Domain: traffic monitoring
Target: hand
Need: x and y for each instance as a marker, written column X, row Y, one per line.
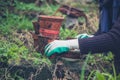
column 84, row 35
column 61, row 46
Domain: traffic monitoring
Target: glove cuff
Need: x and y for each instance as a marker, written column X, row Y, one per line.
column 73, row 44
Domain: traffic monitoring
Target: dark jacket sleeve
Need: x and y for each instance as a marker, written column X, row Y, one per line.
column 109, row 41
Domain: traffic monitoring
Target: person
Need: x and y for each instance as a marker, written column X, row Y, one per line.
column 106, row 39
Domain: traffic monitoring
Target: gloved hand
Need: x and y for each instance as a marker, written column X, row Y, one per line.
column 84, row 35
column 60, row 46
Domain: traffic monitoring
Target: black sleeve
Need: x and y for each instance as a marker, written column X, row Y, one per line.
column 109, row 41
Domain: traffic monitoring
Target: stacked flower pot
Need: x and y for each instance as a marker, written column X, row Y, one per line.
column 47, row 29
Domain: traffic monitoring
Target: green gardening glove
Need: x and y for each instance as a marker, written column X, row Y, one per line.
column 84, row 35
column 60, row 46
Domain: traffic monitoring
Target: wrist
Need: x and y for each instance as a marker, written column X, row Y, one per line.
column 73, row 44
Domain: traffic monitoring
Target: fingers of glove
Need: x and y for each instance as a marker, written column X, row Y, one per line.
column 48, row 47
column 57, row 50
column 51, row 52
column 84, row 36
column 51, row 46
column 81, row 35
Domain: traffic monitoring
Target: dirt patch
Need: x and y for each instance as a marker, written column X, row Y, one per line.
column 28, row 72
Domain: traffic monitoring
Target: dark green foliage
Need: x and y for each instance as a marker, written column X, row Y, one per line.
column 6, row 5
column 14, row 22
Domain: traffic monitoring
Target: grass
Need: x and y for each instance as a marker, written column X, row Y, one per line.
column 20, row 22
column 49, row 9
column 17, row 52
column 14, row 22
column 82, row 75
column 13, row 49
column 66, row 33
column 97, row 74
column 27, row 7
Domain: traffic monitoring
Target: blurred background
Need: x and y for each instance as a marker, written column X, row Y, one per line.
column 19, row 60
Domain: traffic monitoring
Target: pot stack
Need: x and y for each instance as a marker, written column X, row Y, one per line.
column 47, row 29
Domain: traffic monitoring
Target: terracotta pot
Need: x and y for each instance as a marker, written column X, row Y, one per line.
column 50, row 25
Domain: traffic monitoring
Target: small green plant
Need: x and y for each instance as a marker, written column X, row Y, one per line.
column 14, row 53
column 66, row 33
column 97, row 75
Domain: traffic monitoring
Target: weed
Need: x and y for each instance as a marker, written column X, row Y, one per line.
column 15, row 53
column 66, row 33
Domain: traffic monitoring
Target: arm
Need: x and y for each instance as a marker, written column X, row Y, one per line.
column 109, row 41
